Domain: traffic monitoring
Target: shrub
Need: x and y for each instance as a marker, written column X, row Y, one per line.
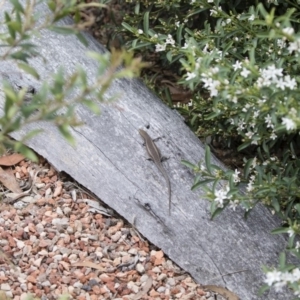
column 242, row 67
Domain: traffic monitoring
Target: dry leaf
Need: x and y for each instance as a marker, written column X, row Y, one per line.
column 222, row 291
column 11, row 160
column 144, row 290
column 9, row 181
column 89, row 264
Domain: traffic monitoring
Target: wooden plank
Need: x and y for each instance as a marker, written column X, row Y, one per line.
column 110, row 160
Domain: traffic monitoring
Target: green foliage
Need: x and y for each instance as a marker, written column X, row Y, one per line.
column 241, row 61
column 55, row 96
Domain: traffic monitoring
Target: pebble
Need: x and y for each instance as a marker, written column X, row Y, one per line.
column 140, row 268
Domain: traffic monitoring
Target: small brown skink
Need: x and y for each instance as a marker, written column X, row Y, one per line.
column 155, row 155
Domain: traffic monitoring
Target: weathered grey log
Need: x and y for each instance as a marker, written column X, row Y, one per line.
column 109, row 159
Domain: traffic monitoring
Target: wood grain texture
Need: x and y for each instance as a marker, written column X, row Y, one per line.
column 109, row 160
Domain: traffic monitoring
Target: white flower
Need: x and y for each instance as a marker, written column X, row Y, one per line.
column 211, row 85
column 288, row 30
column 251, row 18
column 236, row 177
column 185, row 45
column 237, row 65
column 177, row 23
column 249, row 134
column 268, row 120
column 210, row 1
column 159, row 47
column 140, row 31
column 245, row 72
column 272, row 277
column 294, row 46
column 273, row 136
column 290, row 82
column 170, row 40
column 289, row 124
column 291, row 232
column 296, row 274
column 190, row 75
column 233, row 204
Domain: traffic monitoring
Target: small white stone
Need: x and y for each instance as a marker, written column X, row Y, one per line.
column 132, row 286
column 39, row 227
column 64, row 222
column 140, row 268
column 171, row 281
column 5, row 287
column 116, row 236
column 156, row 270
column 23, row 286
column 20, row 244
column 46, row 283
column 77, row 284
column 133, row 251
column 38, row 262
column 162, row 277
column 59, row 211
column 57, row 257
column 144, row 278
column 67, row 211
column 40, row 185
column 161, row 289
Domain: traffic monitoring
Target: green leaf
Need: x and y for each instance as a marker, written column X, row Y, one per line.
column 137, row 8
column 243, row 146
column 280, row 230
column 179, row 34
column 146, row 23
column 189, row 165
column 63, row 30
column 200, row 183
column 128, row 27
column 247, row 167
column 275, row 204
column 19, row 147
column 282, row 260
column 17, row 6
column 208, row 159
column 28, row 69
column 169, row 56
column 212, row 115
column 82, row 39
column 64, row 130
column 92, row 106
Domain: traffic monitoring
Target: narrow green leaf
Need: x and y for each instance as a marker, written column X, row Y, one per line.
column 243, row 146
column 64, row 130
column 208, row 159
column 62, row 30
column 17, row 6
column 212, row 115
column 282, row 260
column 146, row 23
column 128, row 27
column 28, row 69
column 169, row 56
column 92, row 106
column 280, row 230
column 19, row 147
column 82, row 39
column 189, row 165
column 200, row 183
column 137, row 8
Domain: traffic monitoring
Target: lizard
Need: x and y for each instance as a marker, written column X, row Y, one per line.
column 156, row 157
